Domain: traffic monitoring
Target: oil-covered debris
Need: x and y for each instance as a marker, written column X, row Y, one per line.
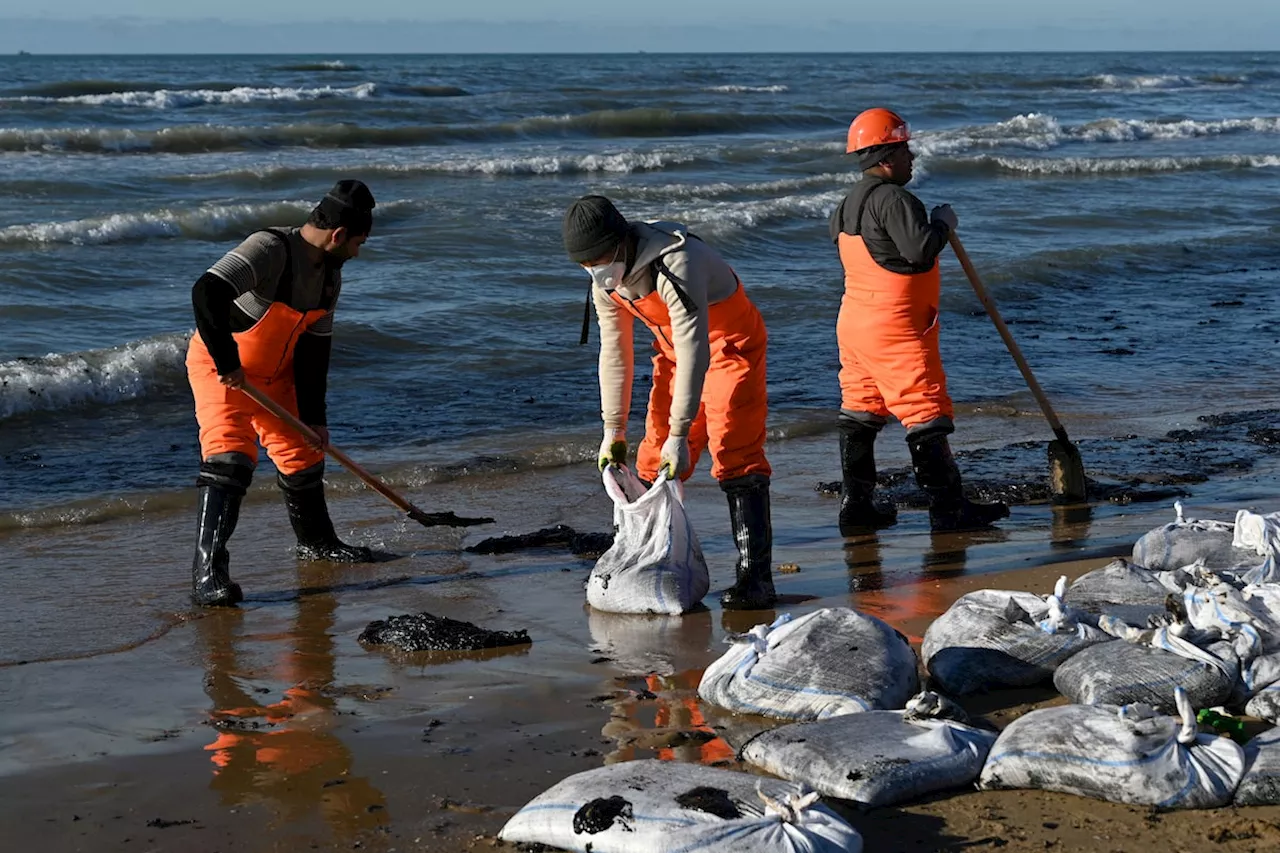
column 601, row 814
column 713, row 801
column 1123, row 470
column 586, row 545
column 422, row 632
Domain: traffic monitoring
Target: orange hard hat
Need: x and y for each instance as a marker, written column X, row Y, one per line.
column 876, row 126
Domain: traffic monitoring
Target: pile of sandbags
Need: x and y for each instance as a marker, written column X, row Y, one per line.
column 1193, row 621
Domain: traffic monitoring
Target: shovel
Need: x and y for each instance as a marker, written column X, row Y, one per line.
column 1066, row 469
column 426, row 519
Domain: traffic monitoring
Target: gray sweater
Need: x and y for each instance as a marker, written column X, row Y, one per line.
column 704, row 277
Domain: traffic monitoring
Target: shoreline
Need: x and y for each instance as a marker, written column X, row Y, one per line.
column 271, row 728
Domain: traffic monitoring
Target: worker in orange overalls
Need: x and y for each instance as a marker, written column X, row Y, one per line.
column 890, row 363
column 708, row 369
column 264, row 314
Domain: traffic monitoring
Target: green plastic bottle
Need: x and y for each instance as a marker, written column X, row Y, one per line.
column 1223, row 724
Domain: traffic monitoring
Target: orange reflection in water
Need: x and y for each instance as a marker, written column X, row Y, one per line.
column 284, row 753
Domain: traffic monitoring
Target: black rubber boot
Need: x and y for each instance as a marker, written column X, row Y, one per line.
column 309, row 515
column 936, row 472
column 859, row 511
column 753, row 532
column 211, row 584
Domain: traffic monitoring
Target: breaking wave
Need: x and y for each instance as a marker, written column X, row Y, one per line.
column 167, row 99
column 330, row 65
column 729, row 217
column 80, row 88
column 623, row 162
column 991, row 164
column 207, row 222
column 776, row 89
column 604, row 124
column 1040, row 132
column 93, row 377
column 212, row 222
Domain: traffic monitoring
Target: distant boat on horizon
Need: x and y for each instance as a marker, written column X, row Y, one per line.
column 23, row 53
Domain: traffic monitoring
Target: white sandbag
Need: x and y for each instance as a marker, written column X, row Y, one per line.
column 1145, row 666
column 1261, row 783
column 1248, row 618
column 1133, row 755
column 830, row 662
column 1265, row 703
column 877, row 758
column 1123, row 590
column 1004, row 638
column 655, row 564
column 1184, row 541
column 665, row 807
column 1257, row 533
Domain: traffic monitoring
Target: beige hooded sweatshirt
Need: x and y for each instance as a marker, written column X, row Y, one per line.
column 704, row 277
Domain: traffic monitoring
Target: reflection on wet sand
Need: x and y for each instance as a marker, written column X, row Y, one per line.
column 284, row 753
column 656, row 712
column 1071, row 525
column 911, row 600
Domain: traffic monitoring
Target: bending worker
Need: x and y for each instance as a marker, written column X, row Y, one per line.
column 708, row 369
column 887, row 330
column 264, row 314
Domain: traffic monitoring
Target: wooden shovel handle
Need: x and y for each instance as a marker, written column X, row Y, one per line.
column 994, row 313
column 346, row 461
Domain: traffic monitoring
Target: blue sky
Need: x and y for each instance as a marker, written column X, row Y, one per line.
column 424, row 26
column 1229, row 13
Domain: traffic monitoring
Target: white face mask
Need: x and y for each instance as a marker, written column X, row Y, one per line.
column 609, row 276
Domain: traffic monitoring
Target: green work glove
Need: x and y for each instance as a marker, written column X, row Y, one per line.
column 675, row 456
column 613, row 449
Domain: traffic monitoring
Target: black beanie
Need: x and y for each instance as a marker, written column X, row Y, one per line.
column 348, row 205
column 592, row 226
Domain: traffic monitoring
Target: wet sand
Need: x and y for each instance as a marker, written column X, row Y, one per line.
column 137, row 724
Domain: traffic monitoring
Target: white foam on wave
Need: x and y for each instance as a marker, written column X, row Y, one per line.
column 56, row 382
column 1144, row 81
column 733, row 90
column 165, row 99
column 624, row 162
column 211, row 221
column 729, row 217
column 621, row 162
column 1122, row 165
column 1040, row 132
column 1130, row 130
column 723, row 188
column 1034, row 131
column 205, row 222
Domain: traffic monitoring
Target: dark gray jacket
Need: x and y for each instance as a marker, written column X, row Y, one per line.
column 893, row 225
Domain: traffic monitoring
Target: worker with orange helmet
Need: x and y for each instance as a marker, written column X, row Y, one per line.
column 887, row 330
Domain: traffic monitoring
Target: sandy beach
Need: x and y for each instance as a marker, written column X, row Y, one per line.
column 271, row 728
